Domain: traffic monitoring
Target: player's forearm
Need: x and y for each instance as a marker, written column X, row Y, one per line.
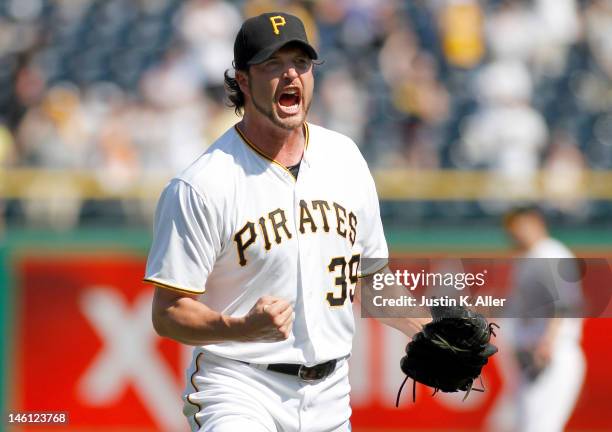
column 408, row 326
column 552, row 330
column 193, row 323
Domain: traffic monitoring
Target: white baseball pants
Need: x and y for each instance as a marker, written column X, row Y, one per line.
column 224, row 395
column 546, row 404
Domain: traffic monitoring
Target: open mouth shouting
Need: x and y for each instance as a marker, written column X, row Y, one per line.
column 289, row 101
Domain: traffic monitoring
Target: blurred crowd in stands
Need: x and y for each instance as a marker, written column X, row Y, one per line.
column 134, row 88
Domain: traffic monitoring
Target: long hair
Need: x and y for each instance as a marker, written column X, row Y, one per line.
column 234, row 94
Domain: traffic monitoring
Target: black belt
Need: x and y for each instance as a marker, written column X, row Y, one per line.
column 306, row 373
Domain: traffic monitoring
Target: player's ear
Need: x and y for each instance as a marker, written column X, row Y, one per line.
column 242, row 78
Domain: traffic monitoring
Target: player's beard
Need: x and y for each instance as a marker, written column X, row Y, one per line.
column 288, row 123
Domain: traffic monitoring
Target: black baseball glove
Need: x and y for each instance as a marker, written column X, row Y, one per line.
column 450, row 352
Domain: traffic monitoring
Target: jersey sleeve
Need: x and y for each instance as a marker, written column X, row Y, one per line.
column 186, row 240
column 375, row 254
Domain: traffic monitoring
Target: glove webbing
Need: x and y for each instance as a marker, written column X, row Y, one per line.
column 470, row 388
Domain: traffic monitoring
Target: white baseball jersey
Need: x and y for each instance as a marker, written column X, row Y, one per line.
column 236, row 226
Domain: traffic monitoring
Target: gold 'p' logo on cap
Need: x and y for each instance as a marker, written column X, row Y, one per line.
column 277, row 21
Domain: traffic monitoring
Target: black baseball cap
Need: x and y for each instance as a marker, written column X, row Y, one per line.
column 263, row 35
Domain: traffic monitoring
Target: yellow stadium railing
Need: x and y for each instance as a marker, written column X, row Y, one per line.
column 393, row 184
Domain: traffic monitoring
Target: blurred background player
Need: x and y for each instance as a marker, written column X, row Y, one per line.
column 547, row 343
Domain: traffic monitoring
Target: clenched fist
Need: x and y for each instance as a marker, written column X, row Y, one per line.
column 269, row 320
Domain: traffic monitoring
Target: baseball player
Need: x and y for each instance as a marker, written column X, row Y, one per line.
column 550, row 358
column 257, row 248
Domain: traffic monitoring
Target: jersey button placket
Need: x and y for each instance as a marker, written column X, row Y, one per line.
column 302, row 246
